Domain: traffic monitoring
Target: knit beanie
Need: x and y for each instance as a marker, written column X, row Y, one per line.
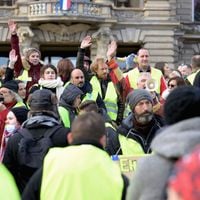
column 20, row 113
column 182, row 103
column 137, row 95
column 185, row 178
column 11, row 85
column 70, row 93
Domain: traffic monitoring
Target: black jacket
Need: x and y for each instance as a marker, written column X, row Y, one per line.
column 131, row 130
column 37, row 126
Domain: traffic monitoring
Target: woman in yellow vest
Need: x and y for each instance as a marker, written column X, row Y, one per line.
column 27, row 68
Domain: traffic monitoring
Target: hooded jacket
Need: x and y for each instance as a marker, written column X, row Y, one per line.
column 150, row 179
column 37, row 126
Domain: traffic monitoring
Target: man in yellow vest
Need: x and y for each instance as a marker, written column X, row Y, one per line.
column 137, row 131
column 129, row 81
column 82, row 171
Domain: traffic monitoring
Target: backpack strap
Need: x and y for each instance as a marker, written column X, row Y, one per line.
column 48, row 133
column 52, row 130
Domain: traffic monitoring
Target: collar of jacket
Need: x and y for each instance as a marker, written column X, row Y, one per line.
column 91, row 142
column 40, row 120
column 148, row 69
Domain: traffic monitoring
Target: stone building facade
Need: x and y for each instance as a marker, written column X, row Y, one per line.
column 165, row 27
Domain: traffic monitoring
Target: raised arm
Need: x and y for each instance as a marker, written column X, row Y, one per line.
column 86, row 42
column 10, row 69
column 15, row 45
column 116, row 75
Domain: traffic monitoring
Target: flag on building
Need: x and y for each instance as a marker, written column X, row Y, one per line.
column 65, row 4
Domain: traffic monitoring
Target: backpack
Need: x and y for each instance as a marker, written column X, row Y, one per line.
column 31, row 151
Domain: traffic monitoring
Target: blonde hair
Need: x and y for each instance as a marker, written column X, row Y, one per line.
column 95, row 64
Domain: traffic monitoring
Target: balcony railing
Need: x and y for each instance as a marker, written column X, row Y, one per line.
column 83, row 9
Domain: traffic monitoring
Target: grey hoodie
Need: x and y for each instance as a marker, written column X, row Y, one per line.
column 150, row 179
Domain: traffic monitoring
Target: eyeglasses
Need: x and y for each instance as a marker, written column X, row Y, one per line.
column 171, row 85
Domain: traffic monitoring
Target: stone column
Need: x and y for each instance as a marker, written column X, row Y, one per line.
column 26, row 37
column 102, row 38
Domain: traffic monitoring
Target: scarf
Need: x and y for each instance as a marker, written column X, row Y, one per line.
column 57, row 83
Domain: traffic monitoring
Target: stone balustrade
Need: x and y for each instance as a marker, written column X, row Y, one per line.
column 79, row 9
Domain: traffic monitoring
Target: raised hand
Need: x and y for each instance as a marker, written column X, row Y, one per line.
column 112, row 48
column 12, row 58
column 86, row 42
column 12, row 26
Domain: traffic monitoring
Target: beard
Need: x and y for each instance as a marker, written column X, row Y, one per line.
column 80, row 85
column 144, row 118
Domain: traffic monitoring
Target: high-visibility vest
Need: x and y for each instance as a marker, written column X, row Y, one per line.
column 192, row 76
column 24, row 76
column 134, row 74
column 64, row 115
column 110, row 98
column 9, row 190
column 19, row 104
column 80, row 172
column 130, row 146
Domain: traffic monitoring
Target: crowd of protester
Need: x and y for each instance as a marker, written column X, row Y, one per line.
column 61, row 125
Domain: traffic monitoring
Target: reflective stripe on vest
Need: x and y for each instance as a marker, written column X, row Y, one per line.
column 129, row 146
column 90, row 96
column 66, row 84
column 9, row 190
column 134, row 74
column 24, row 76
column 110, row 98
column 80, row 172
column 64, row 115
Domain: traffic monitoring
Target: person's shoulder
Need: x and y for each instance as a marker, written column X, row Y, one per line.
column 159, row 120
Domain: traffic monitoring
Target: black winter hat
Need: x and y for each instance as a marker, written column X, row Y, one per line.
column 11, row 85
column 182, row 103
column 137, row 95
column 42, row 100
column 70, row 93
column 20, row 113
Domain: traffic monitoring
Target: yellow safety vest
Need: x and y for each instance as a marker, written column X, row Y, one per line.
column 24, row 76
column 80, row 172
column 64, row 115
column 192, row 76
column 134, row 74
column 110, row 98
column 9, row 190
column 19, row 104
column 130, row 146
